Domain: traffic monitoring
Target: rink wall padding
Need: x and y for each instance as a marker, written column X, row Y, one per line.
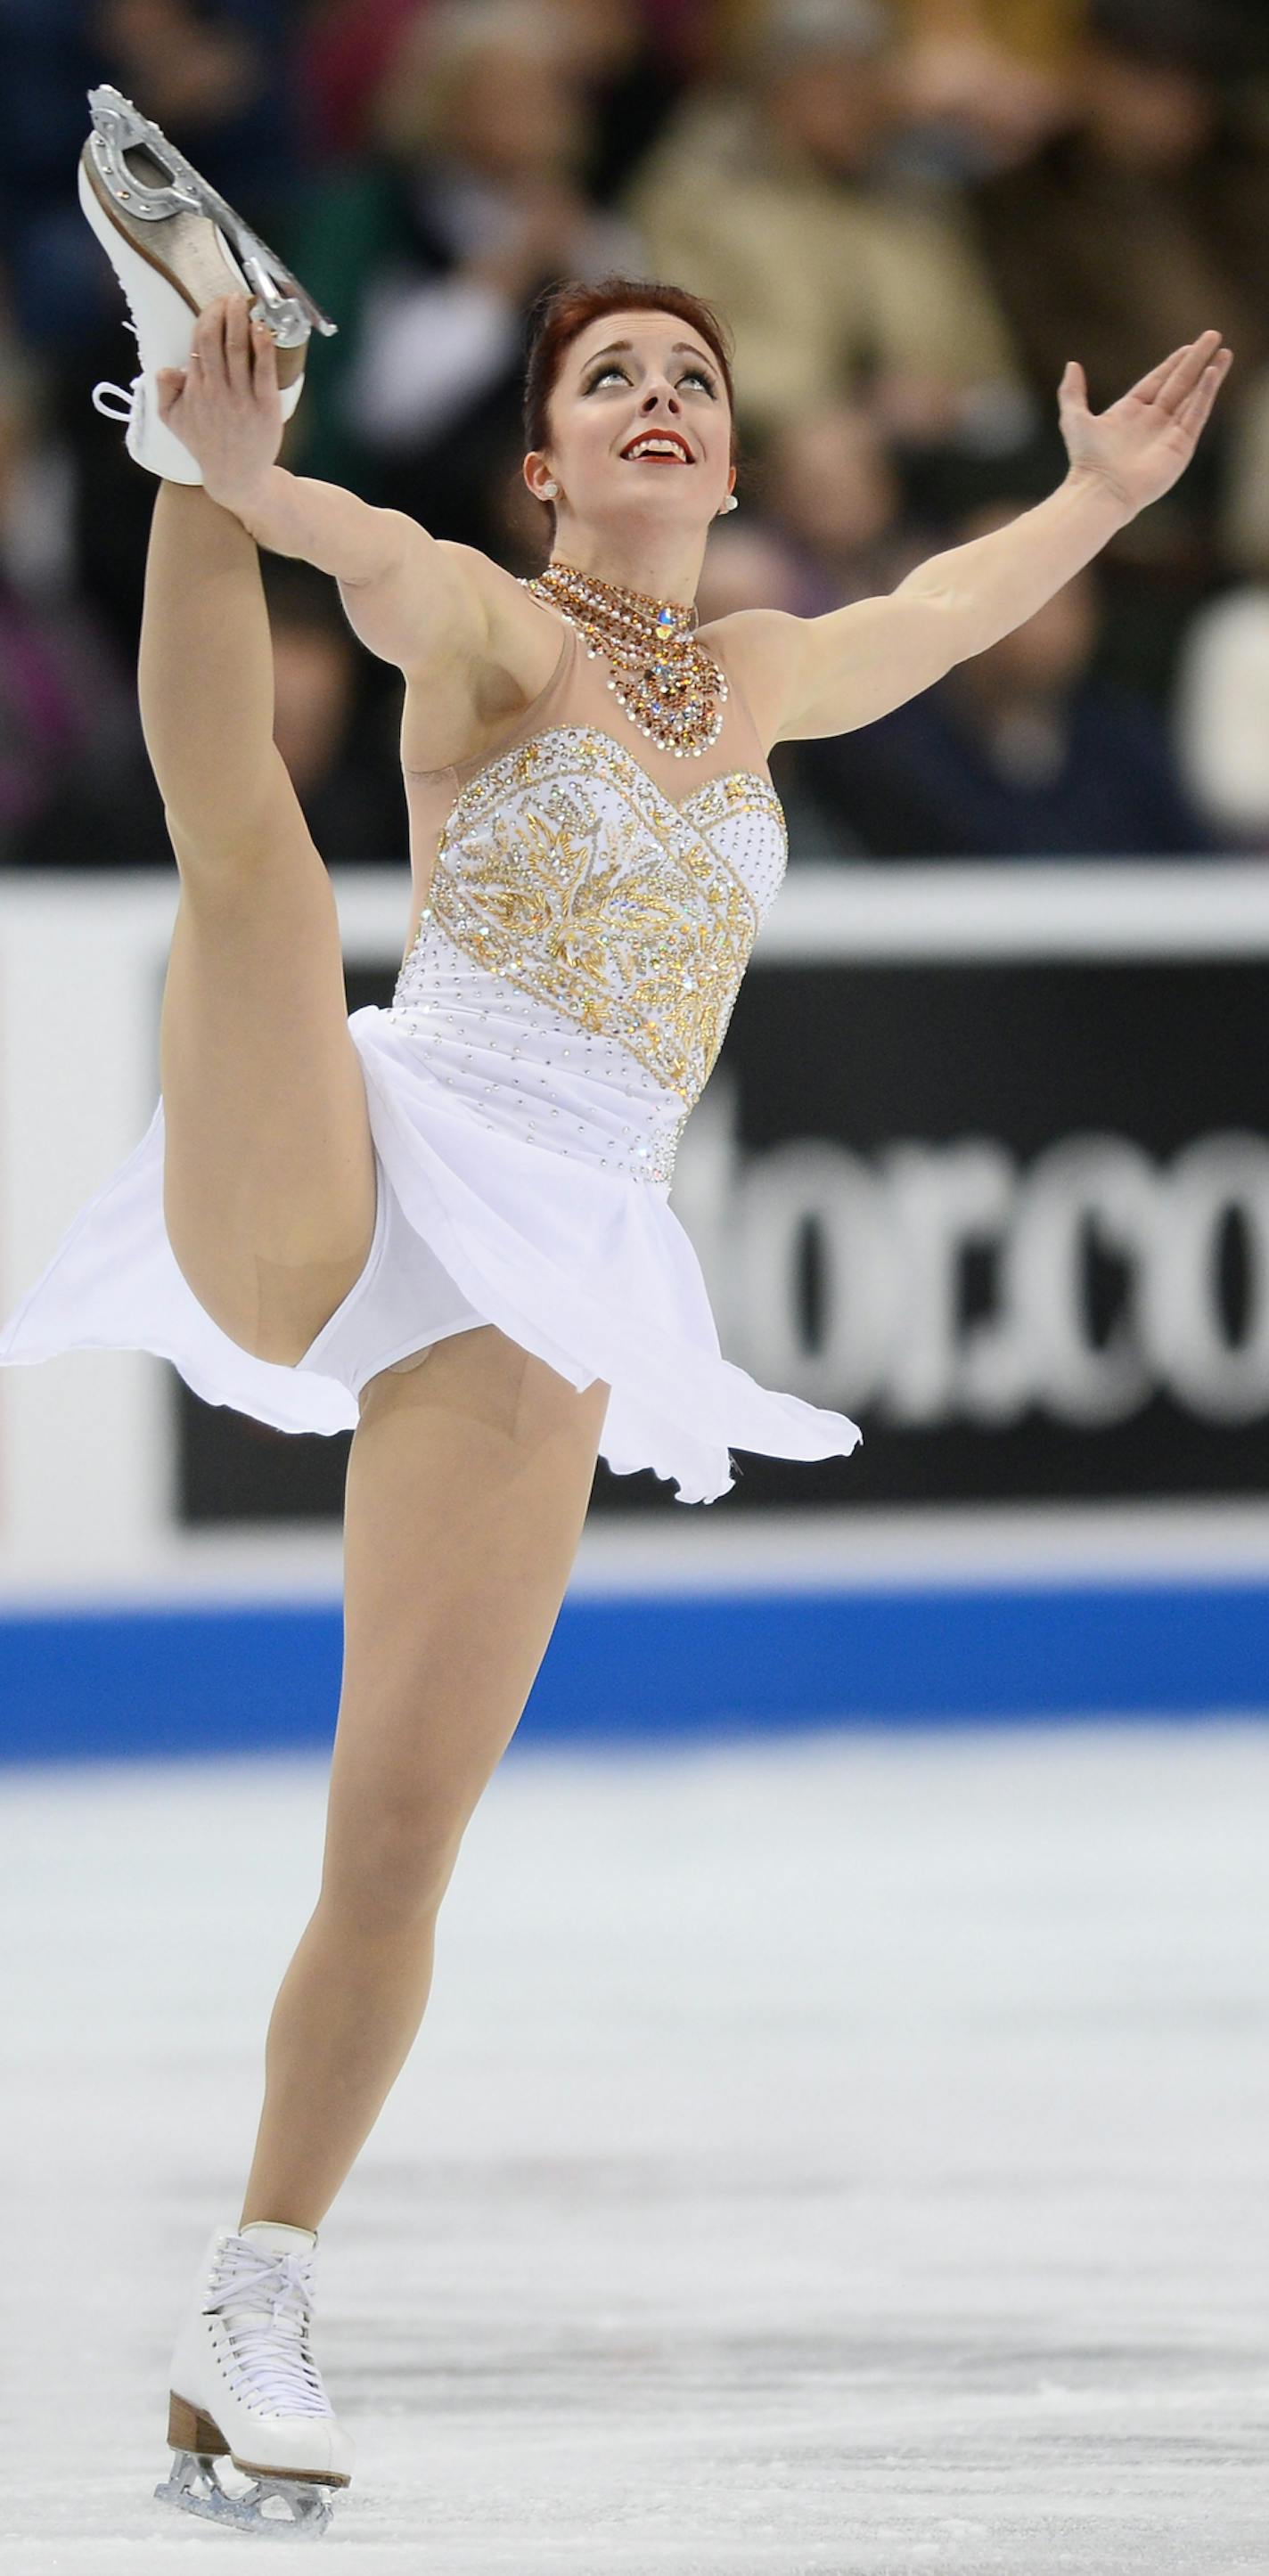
column 146, row 1683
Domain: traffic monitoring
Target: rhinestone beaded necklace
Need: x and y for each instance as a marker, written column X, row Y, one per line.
column 670, row 687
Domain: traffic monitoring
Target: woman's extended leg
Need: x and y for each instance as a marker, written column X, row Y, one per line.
column 269, row 1175
column 468, row 1483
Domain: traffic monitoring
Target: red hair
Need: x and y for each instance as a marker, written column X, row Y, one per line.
column 562, row 311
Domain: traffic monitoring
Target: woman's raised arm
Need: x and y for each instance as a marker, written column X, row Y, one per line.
column 409, row 596
column 836, row 672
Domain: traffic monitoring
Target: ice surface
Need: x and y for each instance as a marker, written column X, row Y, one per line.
column 845, row 2154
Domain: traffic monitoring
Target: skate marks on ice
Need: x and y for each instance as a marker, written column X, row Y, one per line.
column 844, row 2155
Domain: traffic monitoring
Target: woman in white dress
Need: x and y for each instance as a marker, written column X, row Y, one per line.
column 476, row 1178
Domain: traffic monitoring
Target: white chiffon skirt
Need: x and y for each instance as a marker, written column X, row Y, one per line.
column 588, row 1269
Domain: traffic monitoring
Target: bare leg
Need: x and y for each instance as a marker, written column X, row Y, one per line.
column 468, row 1485
column 269, row 1175
column 205, row 673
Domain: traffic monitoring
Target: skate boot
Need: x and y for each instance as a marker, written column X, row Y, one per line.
column 245, row 2388
column 175, row 245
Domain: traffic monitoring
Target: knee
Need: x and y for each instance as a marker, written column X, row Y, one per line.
column 394, row 1871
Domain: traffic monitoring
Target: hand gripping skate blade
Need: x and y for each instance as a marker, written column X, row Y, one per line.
column 166, row 184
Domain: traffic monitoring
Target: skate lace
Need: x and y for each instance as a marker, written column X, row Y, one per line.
column 270, row 2356
column 127, row 399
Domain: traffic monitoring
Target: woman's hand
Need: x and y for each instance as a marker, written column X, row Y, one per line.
column 1143, row 443
column 224, row 405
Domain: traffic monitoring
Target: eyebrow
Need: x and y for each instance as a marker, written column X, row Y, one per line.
column 685, row 346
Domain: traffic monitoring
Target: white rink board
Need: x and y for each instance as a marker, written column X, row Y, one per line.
column 841, row 2156
column 86, row 1457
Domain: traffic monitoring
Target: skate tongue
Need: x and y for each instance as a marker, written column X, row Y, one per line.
column 273, row 2237
column 265, row 2237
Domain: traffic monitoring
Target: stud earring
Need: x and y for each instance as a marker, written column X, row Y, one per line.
column 729, row 504
column 549, row 491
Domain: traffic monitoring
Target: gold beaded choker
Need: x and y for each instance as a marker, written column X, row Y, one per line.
column 670, row 687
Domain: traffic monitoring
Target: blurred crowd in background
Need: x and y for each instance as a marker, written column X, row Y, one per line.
column 909, row 213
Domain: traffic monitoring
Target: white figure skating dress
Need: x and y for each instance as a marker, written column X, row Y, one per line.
column 584, row 934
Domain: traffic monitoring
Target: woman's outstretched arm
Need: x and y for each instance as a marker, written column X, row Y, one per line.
column 830, row 674
column 408, row 596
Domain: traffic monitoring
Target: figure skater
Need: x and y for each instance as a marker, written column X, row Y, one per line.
column 477, row 1177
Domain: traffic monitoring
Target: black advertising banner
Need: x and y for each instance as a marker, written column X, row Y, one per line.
column 1013, row 1216
column 1011, row 1212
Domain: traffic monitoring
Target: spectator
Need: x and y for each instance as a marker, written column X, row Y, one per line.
column 349, row 49
column 1127, row 235
column 1021, row 752
column 984, row 81
column 1242, row 519
column 66, row 712
column 831, row 486
column 1222, row 708
column 749, row 567
column 1143, row 221
column 427, row 165
column 430, row 256
column 212, row 73
column 688, row 34
column 343, row 52
column 756, row 567
column 775, row 200
column 631, row 86
column 335, row 724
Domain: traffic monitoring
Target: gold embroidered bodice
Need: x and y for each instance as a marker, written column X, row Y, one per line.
column 587, row 929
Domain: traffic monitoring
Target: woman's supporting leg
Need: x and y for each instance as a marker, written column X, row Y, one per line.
column 468, row 1478
column 269, row 1175
column 468, row 1483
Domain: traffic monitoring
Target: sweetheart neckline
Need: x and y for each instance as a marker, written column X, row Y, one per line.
column 678, row 805
column 721, row 777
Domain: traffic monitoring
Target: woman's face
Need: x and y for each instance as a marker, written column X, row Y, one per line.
column 659, row 381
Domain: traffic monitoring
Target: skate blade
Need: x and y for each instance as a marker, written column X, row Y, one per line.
column 191, row 261
column 157, row 183
column 195, row 2487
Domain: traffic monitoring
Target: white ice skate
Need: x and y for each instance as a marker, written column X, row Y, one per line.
column 175, row 245
column 245, row 2387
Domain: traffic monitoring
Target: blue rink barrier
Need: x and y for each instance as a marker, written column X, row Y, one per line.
column 166, row 1682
